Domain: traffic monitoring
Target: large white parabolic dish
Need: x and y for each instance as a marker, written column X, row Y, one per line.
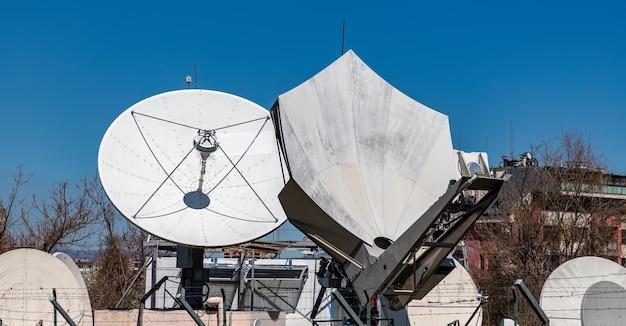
column 150, row 165
column 27, row 278
column 585, row 291
column 372, row 158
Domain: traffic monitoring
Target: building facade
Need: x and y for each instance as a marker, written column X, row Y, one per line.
column 609, row 195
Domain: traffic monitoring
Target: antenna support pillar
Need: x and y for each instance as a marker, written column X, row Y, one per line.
column 520, row 287
column 181, row 299
column 191, row 261
column 59, row 308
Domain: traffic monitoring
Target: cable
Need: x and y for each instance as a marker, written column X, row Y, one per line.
column 164, row 120
column 193, row 127
column 239, row 160
column 169, row 175
column 240, row 123
column 246, row 180
column 154, row 155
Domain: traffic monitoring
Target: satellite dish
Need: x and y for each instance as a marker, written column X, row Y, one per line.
column 196, row 167
column 586, row 291
column 475, row 162
column 454, row 298
column 69, row 263
column 372, row 179
column 368, row 155
column 27, row 278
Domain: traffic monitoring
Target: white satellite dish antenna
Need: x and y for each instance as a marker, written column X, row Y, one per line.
column 69, row 263
column 454, row 298
column 585, row 291
column 195, row 167
column 371, row 157
column 373, row 181
column 27, row 279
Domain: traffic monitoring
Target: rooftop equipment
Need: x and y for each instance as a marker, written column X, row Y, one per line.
column 372, row 179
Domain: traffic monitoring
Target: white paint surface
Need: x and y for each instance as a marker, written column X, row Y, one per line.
column 27, row 278
column 131, row 168
column 586, row 291
column 370, row 156
column 454, row 298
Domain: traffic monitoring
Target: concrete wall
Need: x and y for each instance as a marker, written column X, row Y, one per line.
column 181, row 318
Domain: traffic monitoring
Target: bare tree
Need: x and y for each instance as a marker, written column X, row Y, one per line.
column 585, row 220
column 544, row 216
column 101, row 206
column 8, row 207
column 64, row 219
column 120, row 254
column 73, row 217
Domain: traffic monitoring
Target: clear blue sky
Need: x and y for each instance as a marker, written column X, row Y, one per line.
column 68, row 69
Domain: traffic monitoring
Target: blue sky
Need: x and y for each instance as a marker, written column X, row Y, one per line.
column 68, row 69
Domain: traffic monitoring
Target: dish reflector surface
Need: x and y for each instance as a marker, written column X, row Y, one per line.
column 27, row 277
column 195, row 167
column 454, row 298
column 368, row 155
column 586, row 291
column 71, row 266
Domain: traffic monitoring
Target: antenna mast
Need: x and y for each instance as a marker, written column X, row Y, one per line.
column 511, row 138
column 343, row 36
column 486, row 144
column 195, row 75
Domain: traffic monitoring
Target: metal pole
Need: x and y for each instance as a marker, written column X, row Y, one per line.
column 132, row 283
column 252, row 284
column 62, row 311
column 315, row 258
column 154, row 288
column 155, row 255
column 318, row 302
column 54, row 295
column 223, row 306
column 140, row 314
column 343, row 36
column 242, row 280
column 181, row 299
column 514, row 307
column 474, row 313
column 520, row 286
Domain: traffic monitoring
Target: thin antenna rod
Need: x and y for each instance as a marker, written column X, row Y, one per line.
column 343, row 36
column 511, row 139
column 486, row 144
column 195, row 75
